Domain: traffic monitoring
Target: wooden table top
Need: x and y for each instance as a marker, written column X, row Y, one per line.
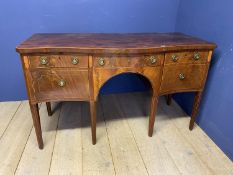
column 111, row 43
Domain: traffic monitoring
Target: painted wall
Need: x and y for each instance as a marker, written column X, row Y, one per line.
column 212, row 20
column 20, row 19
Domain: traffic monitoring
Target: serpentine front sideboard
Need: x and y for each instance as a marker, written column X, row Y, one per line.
column 73, row 67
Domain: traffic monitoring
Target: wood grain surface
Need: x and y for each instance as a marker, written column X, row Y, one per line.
column 74, row 67
column 111, row 43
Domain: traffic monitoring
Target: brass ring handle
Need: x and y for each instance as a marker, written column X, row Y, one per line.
column 153, row 60
column 196, row 56
column 174, row 58
column 43, row 60
column 61, row 83
column 101, row 61
column 181, row 76
column 75, row 60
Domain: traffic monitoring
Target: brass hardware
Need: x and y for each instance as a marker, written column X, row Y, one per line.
column 181, row 76
column 101, row 61
column 61, row 83
column 153, row 60
column 43, row 60
column 196, row 56
column 75, row 60
column 174, row 58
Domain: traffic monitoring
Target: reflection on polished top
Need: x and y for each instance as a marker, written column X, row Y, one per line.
column 115, row 42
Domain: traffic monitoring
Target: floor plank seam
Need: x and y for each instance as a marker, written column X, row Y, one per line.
column 25, row 145
column 193, row 146
column 124, row 116
column 171, row 157
column 11, row 120
column 184, row 138
column 55, row 139
column 196, row 152
column 106, row 129
column 23, row 150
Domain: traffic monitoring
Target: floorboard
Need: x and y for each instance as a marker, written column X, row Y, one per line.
column 123, row 146
column 126, row 156
column 7, row 112
column 155, row 155
column 67, row 153
column 13, row 142
column 39, row 160
column 97, row 158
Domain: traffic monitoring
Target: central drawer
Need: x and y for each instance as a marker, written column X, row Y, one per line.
column 128, row 61
column 60, row 84
column 182, row 78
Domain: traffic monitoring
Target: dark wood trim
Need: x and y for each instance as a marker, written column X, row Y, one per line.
column 196, row 105
column 169, row 99
column 93, row 121
column 153, row 110
column 36, row 122
column 49, row 109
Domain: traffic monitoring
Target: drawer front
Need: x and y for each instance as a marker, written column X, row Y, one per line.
column 44, row 61
column 187, row 57
column 132, row 61
column 60, row 84
column 182, row 77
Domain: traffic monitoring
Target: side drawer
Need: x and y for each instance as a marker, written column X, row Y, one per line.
column 187, row 57
column 182, row 78
column 60, row 84
column 45, row 61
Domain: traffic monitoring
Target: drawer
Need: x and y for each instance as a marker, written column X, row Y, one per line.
column 186, row 57
column 182, row 78
column 44, row 61
column 60, row 84
column 132, row 61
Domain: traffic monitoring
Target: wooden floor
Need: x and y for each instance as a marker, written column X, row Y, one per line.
column 123, row 146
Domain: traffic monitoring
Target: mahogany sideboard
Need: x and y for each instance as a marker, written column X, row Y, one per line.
column 73, row 67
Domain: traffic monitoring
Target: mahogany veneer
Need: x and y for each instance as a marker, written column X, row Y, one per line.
column 60, row 67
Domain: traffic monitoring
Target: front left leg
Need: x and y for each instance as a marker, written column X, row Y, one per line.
column 37, row 125
column 153, row 110
column 93, row 121
column 196, row 105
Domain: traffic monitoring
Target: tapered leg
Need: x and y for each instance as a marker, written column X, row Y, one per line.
column 48, row 105
column 153, row 109
column 36, row 123
column 196, row 104
column 93, row 121
column 169, row 99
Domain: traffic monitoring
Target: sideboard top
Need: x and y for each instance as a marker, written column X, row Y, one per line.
column 111, row 43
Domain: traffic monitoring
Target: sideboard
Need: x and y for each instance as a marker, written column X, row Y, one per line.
column 74, row 67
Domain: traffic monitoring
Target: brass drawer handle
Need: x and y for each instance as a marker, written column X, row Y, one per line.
column 181, row 76
column 61, row 83
column 174, row 58
column 196, row 56
column 101, row 61
column 75, row 60
column 153, row 60
column 43, row 60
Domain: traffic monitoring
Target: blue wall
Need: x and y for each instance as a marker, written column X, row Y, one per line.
column 20, row 19
column 212, row 20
